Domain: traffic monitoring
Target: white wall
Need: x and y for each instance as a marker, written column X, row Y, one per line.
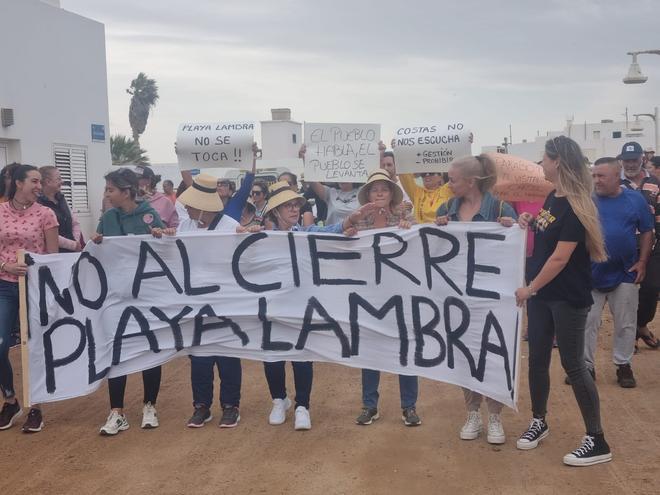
column 53, row 74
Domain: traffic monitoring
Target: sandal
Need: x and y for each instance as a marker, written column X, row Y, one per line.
column 650, row 340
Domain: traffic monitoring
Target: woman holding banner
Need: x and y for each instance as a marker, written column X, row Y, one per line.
column 27, row 225
column 203, row 205
column 567, row 237
column 126, row 217
column 381, row 191
column 470, row 179
column 283, row 213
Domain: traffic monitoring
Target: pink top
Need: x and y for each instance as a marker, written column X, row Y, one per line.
column 532, row 207
column 165, row 208
column 23, row 229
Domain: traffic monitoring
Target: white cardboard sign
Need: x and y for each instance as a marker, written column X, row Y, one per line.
column 341, row 152
column 430, row 148
column 215, row 145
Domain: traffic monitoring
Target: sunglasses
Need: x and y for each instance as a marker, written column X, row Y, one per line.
column 256, row 193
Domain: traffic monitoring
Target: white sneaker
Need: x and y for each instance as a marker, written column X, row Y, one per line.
column 278, row 412
column 303, row 420
column 495, row 429
column 114, row 424
column 472, row 426
column 149, row 416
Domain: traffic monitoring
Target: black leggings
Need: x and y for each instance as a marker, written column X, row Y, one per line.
column 150, row 382
column 547, row 319
column 648, row 300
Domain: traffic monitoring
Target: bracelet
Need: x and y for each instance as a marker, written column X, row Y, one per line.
column 532, row 292
column 2, row 266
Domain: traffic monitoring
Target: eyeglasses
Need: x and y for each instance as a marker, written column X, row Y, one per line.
column 429, row 174
column 223, row 184
column 256, row 193
column 295, row 205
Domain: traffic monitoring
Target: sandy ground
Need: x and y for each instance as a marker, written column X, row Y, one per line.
column 336, row 456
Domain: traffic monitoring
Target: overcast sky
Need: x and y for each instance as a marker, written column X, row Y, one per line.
column 526, row 63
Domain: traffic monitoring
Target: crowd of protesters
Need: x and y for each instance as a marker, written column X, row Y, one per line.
column 593, row 240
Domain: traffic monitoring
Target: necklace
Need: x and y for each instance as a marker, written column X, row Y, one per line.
column 21, row 206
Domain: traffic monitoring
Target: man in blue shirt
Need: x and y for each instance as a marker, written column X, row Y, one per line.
column 623, row 213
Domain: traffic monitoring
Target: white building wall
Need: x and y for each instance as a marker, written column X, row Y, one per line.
column 596, row 140
column 53, row 75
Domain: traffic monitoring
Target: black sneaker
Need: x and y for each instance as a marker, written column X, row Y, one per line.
column 368, row 416
column 9, row 413
column 537, row 431
column 230, row 417
column 624, row 376
column 409, row 417
column 594, row 450
column 200, row 417
column 34, row 422
column 567, row 380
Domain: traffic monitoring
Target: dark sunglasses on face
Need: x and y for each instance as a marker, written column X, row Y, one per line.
column 256, row 193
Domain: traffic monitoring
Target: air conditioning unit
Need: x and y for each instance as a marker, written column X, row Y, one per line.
column 7, row 116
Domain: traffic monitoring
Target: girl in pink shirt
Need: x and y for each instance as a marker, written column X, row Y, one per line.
column 24, row 224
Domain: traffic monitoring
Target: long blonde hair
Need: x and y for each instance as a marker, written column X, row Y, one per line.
column 575, row 182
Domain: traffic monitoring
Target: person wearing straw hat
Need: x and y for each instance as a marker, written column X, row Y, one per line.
column 283, row 213
column 387, row 197
column 203, row 204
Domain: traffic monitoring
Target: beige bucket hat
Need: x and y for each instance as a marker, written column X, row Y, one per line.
column 375, row 176
column 203, row 194
column 280, row 193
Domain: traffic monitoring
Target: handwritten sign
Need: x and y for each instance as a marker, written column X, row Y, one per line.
column 430, row 148
column 519, row 179
column 428, row 301
column 216, row 144
column 341, row 152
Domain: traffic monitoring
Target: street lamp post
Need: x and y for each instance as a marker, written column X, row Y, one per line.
column 635, row 75
column 654, row 116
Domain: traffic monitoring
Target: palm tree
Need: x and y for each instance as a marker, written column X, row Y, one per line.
column 125, row 150
column 145, row 96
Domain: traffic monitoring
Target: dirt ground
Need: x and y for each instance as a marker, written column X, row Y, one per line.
column 336, row 456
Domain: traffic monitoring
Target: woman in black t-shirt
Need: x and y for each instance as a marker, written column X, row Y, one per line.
column 567, row 238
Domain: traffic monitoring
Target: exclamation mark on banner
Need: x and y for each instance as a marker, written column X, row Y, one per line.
column 237, row 155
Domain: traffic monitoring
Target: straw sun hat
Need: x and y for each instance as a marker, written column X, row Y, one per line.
column 375, row 176
column 280, row 193
column 202, row 195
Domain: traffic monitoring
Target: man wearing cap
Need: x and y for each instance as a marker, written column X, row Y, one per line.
column 649, row 153
column 634, row 176
column 148, row 181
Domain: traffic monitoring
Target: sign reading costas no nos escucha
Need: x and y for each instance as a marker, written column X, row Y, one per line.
column 430, row 148
column 341, row 152
column 215, row 144
column 428, row 301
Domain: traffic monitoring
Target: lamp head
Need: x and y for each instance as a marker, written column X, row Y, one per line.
column 635, row 75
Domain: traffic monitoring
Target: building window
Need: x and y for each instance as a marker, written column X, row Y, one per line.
column 294, row 138
column 616, row 134
column 71, row 161
column 596, row 134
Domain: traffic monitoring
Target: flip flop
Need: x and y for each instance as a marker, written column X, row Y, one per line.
column 650, row 340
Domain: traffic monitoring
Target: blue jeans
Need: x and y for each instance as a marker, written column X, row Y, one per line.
column 8, row 315
column 303, row 374
column 201, row 378
column 408, row 389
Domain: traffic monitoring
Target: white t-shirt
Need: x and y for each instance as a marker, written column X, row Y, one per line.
column 226, row 224
column 340, row 204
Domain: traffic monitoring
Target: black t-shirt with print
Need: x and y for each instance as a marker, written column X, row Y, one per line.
column 557, row 222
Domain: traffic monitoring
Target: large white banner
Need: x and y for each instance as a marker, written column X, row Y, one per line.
column 215, row 144
column 429, row 301
column 430, row 148
column 341, row 152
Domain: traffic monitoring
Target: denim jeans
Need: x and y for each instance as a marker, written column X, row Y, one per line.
column 303, row 374
column 408, row 389
column 547, row 319
column 201, row 378
column 8, row 315
column 150, row 383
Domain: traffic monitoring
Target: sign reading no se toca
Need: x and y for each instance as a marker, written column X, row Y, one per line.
column 215, row 144
column 341, row 152
column 430, row 148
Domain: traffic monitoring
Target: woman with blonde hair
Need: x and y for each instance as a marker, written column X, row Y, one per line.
column 567, row 238
column 470, row 179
